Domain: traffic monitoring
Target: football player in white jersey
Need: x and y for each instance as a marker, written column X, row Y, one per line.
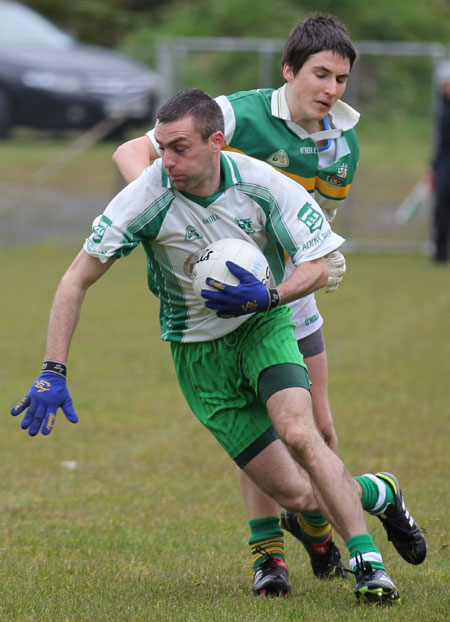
column 243, row 375
column 305, row 131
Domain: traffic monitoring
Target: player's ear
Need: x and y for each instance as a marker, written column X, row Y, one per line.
column 216, row 140
column 288, row 72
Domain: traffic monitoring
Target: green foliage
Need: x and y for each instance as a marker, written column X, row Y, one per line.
column 392, row 88
column 101, row 22
column 389, row 87
column 137, row 22
column 384, row 20
column 149, row 525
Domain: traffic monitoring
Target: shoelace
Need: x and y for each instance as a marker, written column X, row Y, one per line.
column 361, row 565
column 264, row 552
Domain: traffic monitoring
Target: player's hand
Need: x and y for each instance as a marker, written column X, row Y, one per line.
column 250, row 296
column 336, row 270
column 48, row 393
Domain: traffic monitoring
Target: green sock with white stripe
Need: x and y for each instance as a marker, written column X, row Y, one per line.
column 364, row 546
column 377, row 494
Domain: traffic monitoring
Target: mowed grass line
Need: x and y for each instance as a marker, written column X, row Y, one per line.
column 150, row 524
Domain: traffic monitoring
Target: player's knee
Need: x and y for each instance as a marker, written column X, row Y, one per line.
column 300, row 440
column 329, row 435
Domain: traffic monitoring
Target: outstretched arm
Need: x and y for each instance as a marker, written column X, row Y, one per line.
column 49, row 391
column 66, row 307
column 132, row 157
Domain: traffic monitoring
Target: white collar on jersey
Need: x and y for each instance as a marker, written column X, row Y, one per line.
column 342, row 117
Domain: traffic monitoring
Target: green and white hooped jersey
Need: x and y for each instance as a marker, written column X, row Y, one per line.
column 254, row 203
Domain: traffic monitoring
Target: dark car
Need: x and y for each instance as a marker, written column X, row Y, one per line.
column 49, row 80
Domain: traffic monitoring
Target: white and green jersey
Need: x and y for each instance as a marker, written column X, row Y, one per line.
column 254, row 202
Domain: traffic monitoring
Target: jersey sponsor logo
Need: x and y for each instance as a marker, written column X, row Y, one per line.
column 317, row 240
column 310, row 217
column 245, row 224
column 309, row 150
column 210, row 219
column 192, row 233
column 100, row 229
column 312, row 319
column 338, row 178
column 279, row 158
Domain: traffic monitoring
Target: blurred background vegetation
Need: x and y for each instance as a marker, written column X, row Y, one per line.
column 138, row 22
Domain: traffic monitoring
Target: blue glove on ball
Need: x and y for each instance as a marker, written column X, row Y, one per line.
column 48, row 393
column 250, row 296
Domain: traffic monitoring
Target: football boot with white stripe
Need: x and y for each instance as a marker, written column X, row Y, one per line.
column 374, row 584
column 400, row 526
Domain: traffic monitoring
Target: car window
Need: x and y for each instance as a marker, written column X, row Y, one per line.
column 22, row 27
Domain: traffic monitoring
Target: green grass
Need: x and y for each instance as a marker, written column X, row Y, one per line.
column 150, row 525
column 31, row 157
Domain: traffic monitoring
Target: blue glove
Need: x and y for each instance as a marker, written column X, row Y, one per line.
column 48, row 393
column 250, row 296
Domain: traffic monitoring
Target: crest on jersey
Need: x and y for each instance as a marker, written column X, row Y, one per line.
column 279, row 158
column 245, row 224
column 100, row 229
column 338, row 178
column 192, row 233
column 310, row 217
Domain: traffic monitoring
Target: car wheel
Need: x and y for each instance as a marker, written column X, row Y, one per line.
column 6, row 116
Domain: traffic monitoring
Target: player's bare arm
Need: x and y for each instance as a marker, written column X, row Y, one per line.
column 132, row 157
column 66, row 307
column 49, row 392
column 306, row 278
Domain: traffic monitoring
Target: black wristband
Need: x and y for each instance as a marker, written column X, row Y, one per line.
column 55, row 367
column 274, row 299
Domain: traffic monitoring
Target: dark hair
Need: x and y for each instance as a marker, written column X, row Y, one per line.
column 316, row 34
column 205, row 112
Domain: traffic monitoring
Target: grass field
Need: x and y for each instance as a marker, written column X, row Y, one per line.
column 150, row 524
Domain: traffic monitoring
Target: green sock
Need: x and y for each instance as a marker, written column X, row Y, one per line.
column 377, row 494
column 266, row 538
column 364, row 546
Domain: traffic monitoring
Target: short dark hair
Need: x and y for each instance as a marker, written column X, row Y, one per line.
column 205, row 112
column 316, row 34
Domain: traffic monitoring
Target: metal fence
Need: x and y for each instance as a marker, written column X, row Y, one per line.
column 389, row 207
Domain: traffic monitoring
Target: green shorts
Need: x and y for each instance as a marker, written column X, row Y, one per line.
column 220, row 380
